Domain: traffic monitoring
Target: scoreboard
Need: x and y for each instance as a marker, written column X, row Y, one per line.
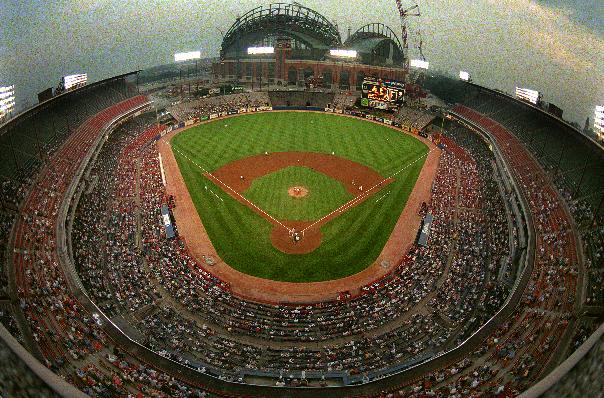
column 382, row 94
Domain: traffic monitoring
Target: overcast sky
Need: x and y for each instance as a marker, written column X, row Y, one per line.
column 555, row 46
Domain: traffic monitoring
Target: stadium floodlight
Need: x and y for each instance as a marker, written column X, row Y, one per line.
column 343, row 53
column 418, row 63
column 188, row 56
column 599, row 119
column 7, row 100
column 529, row 95
column 74, row 81
column 260, row 50
column 465, row 76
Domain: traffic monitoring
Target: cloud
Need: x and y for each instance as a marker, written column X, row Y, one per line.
column 589, row 13
column 559, row 52
column 502, row 42
column 554, row 33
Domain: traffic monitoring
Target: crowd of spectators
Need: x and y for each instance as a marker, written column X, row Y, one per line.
column 301, row 98
column 105, row 227
column 7, row 319
column 413, row 119
column 344, row 101
column 214, row 105
column 68, row 337
column 549, row 299
column 432, row 300
column 593, row 239
column 227, row 335
column 7, row 218
column 12, row 192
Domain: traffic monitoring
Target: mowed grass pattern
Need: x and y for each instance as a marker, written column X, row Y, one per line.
column 270, row 193
column 351, row 242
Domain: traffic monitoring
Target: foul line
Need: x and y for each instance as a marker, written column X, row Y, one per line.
column 352, row 202
column 383, row 196
column 216, row 195
column 233, row 191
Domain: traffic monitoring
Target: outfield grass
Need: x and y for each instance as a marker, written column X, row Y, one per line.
column 324, row 194
column 351, row 242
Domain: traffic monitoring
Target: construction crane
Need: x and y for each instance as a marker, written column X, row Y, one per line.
column 420, row 45
column 419, row 75
column 404, row 13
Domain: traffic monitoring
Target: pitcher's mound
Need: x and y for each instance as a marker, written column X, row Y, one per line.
column 297, row 192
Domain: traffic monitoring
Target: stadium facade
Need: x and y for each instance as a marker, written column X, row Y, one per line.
column 302, row 40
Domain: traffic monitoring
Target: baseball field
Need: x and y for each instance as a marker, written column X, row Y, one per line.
column 340, row 183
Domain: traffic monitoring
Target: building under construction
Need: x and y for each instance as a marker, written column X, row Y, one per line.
column 289, row 44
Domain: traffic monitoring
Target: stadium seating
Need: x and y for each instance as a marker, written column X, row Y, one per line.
column 574, row 165
column 300, row 99
column 436, row 298
column 214, row 105
column 344, row 100
column 60, row 327
column 254, row 333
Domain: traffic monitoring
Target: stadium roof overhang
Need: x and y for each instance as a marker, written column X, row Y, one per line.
column 280, row 19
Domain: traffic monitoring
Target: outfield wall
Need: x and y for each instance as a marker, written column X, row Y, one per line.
column 232, row 112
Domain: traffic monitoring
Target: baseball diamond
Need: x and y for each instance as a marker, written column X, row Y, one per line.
column 352, row 176
column 346, row 161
